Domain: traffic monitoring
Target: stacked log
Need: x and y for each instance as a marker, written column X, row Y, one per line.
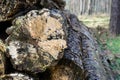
column 14, row 8
column 36, row 41
column 45, row 42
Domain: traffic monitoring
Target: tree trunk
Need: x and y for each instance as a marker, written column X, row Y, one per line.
column 115, row 18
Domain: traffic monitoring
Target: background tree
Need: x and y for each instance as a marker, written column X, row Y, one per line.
column 115, row 18
column 89, row 7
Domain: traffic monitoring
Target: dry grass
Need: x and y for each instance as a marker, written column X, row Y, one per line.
column 95, row 20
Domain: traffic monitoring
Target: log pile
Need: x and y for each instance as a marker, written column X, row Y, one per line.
column 45, row 42
column 13, row 8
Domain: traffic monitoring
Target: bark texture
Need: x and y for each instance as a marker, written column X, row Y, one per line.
column 2, row 57
column 14, row 8
column 17, row 76
column 115, row 17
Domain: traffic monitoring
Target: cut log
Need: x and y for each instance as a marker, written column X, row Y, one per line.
column 82, row 59
column 10, row 9
column 2, row 58
column 51, row 39
column 66, row 70
column 36, row 40
column 17, row 76
column 82, row 47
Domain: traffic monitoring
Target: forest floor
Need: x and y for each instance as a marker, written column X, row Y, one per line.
column 109, row 45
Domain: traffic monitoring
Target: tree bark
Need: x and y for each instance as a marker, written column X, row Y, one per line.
column 115, row 18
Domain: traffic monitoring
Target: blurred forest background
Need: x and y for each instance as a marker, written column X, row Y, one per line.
column 89, row 7
column 102, row 17
column 93, row 13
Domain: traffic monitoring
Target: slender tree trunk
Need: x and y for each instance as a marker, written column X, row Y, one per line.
column 83, row 7
column 115, row 18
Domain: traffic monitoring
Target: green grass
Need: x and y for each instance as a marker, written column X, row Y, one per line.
column 113, row 44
